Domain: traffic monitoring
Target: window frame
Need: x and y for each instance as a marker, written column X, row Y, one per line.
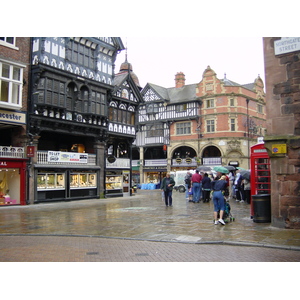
column 232, row 124
column 8, row 44
column 11, row 82
column 210, row 128
column 181, row 108
column 184, row 127
column 210, row 103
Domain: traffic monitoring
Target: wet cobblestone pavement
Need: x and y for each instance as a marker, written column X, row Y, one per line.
column 144, row 217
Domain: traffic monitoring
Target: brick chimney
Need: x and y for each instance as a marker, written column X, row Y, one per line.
column 179, row 80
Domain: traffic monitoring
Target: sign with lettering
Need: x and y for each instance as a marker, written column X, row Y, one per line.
column 12, row 117
column 30, row 151
column 287, row 45
column 67, row 157
column 279, row 148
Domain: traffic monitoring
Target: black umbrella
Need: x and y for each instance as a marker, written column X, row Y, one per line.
column 204, row 169
column 245, row 174
column 230, row 168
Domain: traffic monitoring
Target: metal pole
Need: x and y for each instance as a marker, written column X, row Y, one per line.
column 248, row 133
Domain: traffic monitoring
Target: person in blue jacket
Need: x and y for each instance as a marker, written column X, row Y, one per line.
column 206, row 188
column 167, row 187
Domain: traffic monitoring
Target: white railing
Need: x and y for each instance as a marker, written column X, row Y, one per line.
column 184, row 163
column 42, row 159
column 15, row 152
column 212, row 161
column 155, row 162
column 119, row 163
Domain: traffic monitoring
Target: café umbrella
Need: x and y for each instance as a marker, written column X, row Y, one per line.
column 221, row 169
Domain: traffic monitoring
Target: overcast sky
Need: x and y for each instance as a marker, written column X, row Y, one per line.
column 158, row 59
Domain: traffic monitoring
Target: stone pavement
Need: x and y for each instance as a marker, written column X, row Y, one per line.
column 139, row 228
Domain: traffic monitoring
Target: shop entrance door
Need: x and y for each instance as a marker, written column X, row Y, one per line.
column 126, row 183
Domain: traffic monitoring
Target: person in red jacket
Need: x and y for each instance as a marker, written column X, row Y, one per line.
column 196, row 180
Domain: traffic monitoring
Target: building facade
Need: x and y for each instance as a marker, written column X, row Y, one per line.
column 122, row 112
column 14, row 84
column 71, row 86
column 282, row 70
column 213, row 122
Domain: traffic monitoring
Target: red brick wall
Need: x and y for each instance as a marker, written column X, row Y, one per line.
column 283, row 127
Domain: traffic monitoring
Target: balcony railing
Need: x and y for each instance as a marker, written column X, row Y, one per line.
column 119, row 163
column 12, row 152
column 155, row 162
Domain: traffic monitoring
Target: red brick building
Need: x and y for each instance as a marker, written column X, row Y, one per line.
column 14, row 85
column 282, row 71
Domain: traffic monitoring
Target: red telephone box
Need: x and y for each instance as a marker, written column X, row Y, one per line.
column 260, row 172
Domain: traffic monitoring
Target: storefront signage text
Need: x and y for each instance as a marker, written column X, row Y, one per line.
column 12, row 117
column 70, row 157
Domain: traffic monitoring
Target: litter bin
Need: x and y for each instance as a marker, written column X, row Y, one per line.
column 262, row 208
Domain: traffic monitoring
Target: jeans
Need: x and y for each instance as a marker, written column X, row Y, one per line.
column 196, row 191
column 168, row 197
column 219, row 202
column 186, row 191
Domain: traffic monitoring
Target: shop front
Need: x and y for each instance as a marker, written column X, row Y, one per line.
column 118, row 178
column 66, row 176
column 12, row 181
column 153, row 175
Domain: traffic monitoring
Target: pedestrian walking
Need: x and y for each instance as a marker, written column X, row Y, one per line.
column 206, row 188
column 196, row 180
column 247, row 190
column 239, row 188
column 167, row 187
column 188, row 184
column 219, row 186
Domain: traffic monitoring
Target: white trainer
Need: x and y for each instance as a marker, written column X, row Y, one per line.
column 221, row 221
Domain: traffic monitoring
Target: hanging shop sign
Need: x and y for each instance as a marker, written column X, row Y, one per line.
column 111, row 159
column 188, row 160
column 178, row 160
column 67, row 157
column 30, row 151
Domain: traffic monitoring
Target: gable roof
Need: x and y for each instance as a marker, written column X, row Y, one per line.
column 182, row 94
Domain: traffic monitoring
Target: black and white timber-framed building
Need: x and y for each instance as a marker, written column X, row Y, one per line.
column 163, row 107
column 71, row 88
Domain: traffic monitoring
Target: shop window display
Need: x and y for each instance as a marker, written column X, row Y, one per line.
column 83, row 180
column 113, row 182
column 9, row 186
column 46, row 181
